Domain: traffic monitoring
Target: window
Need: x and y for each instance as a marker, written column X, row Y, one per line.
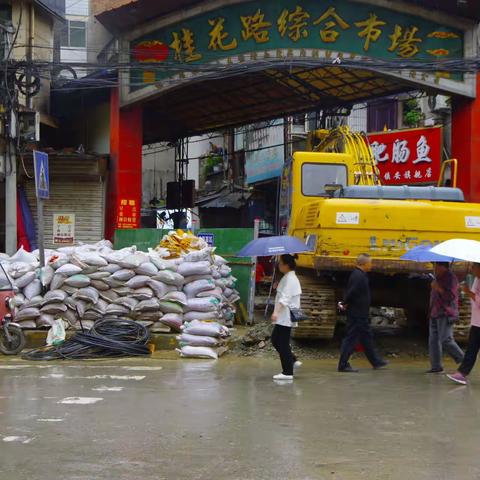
column 74, row 34
column 316, row 175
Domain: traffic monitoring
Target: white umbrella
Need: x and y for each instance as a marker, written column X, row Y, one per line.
column 459, row 248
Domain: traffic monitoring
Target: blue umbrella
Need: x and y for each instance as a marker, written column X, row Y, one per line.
column 271, row 246
column 423, row 253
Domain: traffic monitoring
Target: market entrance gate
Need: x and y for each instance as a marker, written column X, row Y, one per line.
column 226, row 63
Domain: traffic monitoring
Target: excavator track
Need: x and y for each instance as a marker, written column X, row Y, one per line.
column 319, row 303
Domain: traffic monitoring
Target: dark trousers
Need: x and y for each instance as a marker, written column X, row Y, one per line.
column 281, row 342
column 472, row 351
column 358, row 331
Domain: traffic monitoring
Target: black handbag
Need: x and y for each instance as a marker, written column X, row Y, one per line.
column 297, row 315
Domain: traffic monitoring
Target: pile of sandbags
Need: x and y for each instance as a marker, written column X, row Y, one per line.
column 201, row 339
column 160, row 289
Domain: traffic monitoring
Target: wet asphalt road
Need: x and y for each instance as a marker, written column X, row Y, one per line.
column 178, row 419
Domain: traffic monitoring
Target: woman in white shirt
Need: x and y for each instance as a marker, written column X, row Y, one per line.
column 288, row 296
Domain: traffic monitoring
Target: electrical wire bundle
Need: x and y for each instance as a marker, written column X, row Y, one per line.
column 110, row 337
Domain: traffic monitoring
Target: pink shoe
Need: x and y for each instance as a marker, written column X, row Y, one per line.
column 458, row 378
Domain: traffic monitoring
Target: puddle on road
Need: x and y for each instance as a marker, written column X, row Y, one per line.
column 80, row 400
column 104, row 388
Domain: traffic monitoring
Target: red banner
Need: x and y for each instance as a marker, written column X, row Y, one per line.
column 406, row 157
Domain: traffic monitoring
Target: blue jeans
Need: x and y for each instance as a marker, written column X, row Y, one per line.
column 441, row 338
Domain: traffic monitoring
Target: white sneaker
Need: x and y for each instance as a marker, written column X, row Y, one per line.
column 297, row 364
column 281, row 376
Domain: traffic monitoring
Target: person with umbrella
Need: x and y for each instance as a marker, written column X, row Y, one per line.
column 443, row 315
column 474, row 336
column 288, row 296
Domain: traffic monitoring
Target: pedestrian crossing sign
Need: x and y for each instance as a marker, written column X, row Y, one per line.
column 42, row 181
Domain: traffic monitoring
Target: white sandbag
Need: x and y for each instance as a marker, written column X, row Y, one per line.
column 27, row 314
column 204, row 316
column 109, row 296
column 19, row 299
column 157, row 260
column 54, row 308
column 34, row 302
column 81, row 307
column 76, row 261
column 57, row 281
column 110, row 268
column 228, row 292
column 144, row 293
column 194, row 288
column 169, row 277
column 123, row 291
column 25, row 280
column 92, row 258
column 70, row 316
column 133, row 261
column 115, row 309
column 138, row 281
column 216, row 293
column 178, row 297
column 172, row 263
column 87, row 294
column 46, row 275
column 160, row 288
column 197, row 340
column 70, row 302
column 112, row 283
column 194, row 278
column 100, row 306
column 201, row 255
column 173, row 320
column 99, row 275
column 23, row 256
column 54, row 296
column 197, row 352
column 209, row 329
column 216, row 273
column 150, row 316
column 69, row 290
column 206, row 304
column 77, row 281
column 33, row 289
column 99, row 285
column 69, row 269
column 166, row 306
column 56, row 261
column 188, row 269
column 67, row 250
column 123, row 275
column 151, row 305
column 219, row 261
column 45, row 320
column 92, row 314
column 87, row 325
column 147, row 268
column 19, row 269
column 127, row 302
column 225, row 270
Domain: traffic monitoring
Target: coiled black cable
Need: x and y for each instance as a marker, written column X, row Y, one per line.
column 109, row 337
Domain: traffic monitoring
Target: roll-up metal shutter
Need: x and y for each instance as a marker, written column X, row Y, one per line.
column 78, row 187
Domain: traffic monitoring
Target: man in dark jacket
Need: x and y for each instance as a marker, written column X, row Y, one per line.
column 357, row 301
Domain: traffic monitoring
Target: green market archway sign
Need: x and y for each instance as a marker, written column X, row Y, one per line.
column 272, row 30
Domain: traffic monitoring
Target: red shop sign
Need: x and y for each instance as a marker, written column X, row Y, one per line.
column 408, row 156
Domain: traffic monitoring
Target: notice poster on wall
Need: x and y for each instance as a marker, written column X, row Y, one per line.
column 63, row 228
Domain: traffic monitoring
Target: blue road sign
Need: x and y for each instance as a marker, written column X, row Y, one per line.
column 208, row 237
column 42, row 181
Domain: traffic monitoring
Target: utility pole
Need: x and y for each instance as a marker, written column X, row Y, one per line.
column 10, row 195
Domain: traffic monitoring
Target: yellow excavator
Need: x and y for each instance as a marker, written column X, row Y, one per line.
column 333, row 199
